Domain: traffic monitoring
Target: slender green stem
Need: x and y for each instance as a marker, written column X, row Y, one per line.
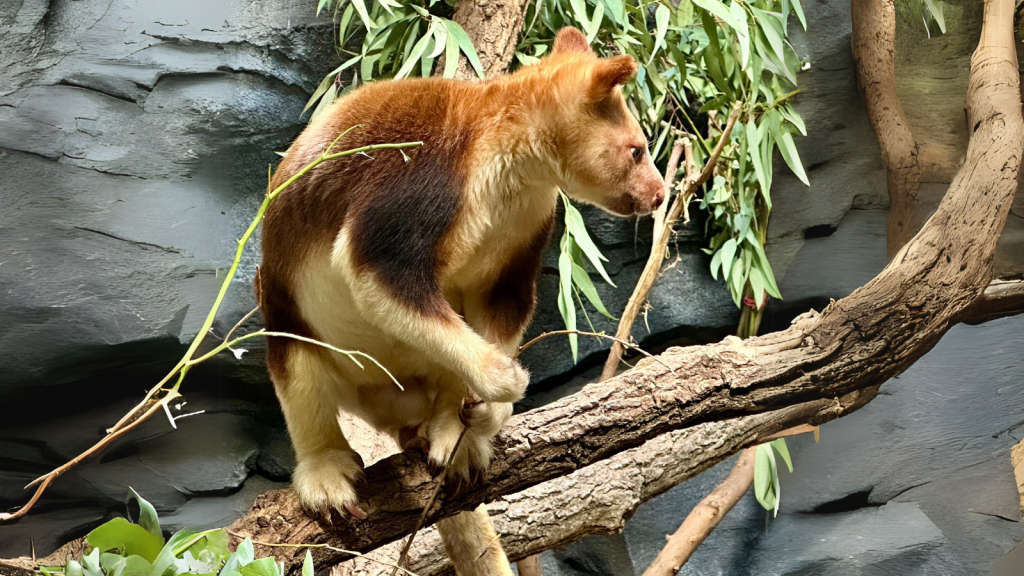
column 264, row 333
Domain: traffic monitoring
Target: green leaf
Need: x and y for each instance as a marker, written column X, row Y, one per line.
column 360, row 7
column 73, row 568
column 307, row 564
column 122, row 534
column 582, row 281
column 763, row 485
column 790, row 155
column 753, row 150
column 765, row 266
column 147, row 515
column 742, row 32
column 346, row 21
column 780, row 446
column 261, row 567
column 771, row 27
column 320, row 6
column 936, row 12
column 243, row 555
column 776, row 487
column 661, row 15
column 790, row 114
column 713, row 56
column 326, row 101
column 136, row 566
column 799, row 13
column 451, row 53
column 728, row 251
column 737, row 280
column 757, row 285
column 565, row 304
column 718, row 9
column 91, row 563
column 440, row 32
column 684, row 16
column 716, row 264
column 575, row 226
column 414, row 56
column 595, row 23
column 455, row 30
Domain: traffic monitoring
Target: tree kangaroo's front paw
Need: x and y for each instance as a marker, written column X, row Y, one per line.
column 325, row 484
column 501, row 379
column 467, row 465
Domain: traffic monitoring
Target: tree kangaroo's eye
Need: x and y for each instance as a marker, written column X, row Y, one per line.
column 637, row 153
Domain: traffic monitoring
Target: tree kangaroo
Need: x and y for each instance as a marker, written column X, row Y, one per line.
column 428, row 261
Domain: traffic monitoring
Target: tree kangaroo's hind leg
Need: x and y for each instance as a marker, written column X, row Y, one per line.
column 472, row 544
column 327, row 466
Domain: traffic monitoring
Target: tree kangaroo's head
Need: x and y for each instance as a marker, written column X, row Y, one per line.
column 600, row 150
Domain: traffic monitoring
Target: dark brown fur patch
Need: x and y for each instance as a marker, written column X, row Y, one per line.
column 510, row 302
column 400, row 209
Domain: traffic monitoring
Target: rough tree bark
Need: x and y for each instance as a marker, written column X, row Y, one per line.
column 493, row 26
column 873, row 46
column 598, row 499
column 866, row 338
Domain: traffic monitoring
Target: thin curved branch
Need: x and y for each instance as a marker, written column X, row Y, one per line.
column 873, row 46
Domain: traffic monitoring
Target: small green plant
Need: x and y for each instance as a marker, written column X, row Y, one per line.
column 123, row 548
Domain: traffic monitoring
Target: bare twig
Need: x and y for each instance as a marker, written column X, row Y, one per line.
column 238, row 324
column 404, row 556
column 618, row 341
column 704, row 518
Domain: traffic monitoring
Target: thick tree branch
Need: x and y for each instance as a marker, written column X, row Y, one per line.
column 1000, row 299
column 873, row 41
column 600, row 498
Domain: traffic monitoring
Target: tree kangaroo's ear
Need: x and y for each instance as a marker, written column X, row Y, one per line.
column 609, row 73
column 570, row 39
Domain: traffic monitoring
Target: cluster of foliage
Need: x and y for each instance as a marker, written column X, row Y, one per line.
column 123, row 548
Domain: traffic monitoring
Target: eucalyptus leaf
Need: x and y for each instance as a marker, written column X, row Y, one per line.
column 582, row 281
column 565, row 304
column 456, row 31
column 763, row 482
column 779, row 444
column 307, row 564
column 936, row 11
column 718, row 9
column 575, row 226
